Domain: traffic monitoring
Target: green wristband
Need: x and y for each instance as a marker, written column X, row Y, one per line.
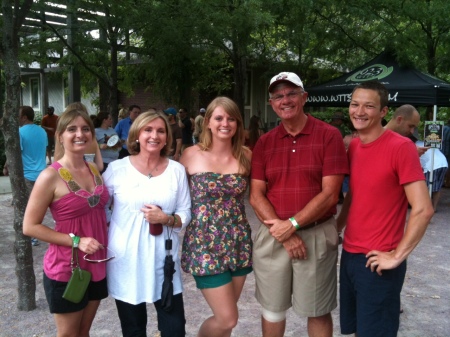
column 175, row 220
column 294, row 223
column 75, row 240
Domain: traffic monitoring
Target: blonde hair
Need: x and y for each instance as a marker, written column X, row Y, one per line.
column 140, row 122
column 68, row 116
column 77, row 106
column 123, row 113
column 237, row 140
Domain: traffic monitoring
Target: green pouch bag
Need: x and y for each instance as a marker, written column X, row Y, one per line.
column 77, row 286
column 79, row 281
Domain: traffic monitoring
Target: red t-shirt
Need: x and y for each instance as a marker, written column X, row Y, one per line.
column 293, row 167
column 378, row 171
column 50, row 122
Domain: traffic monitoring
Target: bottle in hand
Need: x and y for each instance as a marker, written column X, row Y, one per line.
column 156, row 228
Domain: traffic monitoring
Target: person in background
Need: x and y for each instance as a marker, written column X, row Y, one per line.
column 123, row 127
column 253, row 133
column 177, row 140
column 439, row 169
column 217, row 246
column 92, row 153
column 103, row 132
column 33, row 144
column 73, row 190
column 385, row 175
column 338, row 121
column 123, row 113
column 297, row 172
column 187, row 126
column 404, row 121
column 198, row 125
column 48, row 123
column 151, row 203
column 446, row 150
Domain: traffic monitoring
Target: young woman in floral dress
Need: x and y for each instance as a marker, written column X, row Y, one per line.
column 217, row 246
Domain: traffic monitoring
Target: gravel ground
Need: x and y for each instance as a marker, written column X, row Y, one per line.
column 425, row 296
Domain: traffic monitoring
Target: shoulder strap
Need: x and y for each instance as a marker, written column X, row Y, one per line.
column 56, row 165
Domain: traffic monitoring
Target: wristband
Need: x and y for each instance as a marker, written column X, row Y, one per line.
column 175, row 220
column 168, row 222
column 294, row 223
column 75, row 240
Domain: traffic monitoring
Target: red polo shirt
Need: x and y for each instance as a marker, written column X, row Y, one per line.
column 293, row 167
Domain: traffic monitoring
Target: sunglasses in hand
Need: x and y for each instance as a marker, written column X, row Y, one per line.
column 108, row 258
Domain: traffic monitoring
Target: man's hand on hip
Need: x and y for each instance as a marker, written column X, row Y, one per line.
column 378, row 261
column 281, row 230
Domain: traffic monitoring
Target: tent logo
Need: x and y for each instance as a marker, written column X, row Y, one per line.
column 373, row 72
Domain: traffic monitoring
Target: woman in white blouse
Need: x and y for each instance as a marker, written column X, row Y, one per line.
column 147, row 190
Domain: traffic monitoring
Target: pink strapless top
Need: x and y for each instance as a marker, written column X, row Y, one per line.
column 83, row 214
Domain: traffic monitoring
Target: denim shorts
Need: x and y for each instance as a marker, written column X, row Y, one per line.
column 370, row 303
column 58, row 305
column 218, row 280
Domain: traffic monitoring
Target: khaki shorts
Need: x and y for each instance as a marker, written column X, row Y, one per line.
column 309, row 286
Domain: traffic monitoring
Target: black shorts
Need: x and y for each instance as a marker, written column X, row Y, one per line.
column 50, row 143
column 58, row 305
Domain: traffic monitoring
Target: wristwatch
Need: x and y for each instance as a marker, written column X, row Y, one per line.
column 75, row 240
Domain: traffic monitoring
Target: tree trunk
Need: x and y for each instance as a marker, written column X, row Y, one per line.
column 104, row 97
column 114, row 95
column 10, row 126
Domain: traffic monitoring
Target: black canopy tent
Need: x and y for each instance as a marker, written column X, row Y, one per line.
column 405, row 85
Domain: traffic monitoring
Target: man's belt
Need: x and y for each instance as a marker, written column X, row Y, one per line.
column 315, row 223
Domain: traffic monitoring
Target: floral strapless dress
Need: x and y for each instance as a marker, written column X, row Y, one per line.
column 218, row 237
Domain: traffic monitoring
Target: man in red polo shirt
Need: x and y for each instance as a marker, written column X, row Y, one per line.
column 297, row 172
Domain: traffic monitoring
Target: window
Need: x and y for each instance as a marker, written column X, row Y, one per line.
column 34, row 90
column 66, row 91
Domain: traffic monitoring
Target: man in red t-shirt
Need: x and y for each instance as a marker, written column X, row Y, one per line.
column 297, row 171
column 385, row 174
column 48, row 123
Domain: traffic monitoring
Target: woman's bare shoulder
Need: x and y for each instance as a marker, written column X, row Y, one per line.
column 247, row 152
column 48, row 174
column 190, row 153
column 192, row 159
column 47, row 180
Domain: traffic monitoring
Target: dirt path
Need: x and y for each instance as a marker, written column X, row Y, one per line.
column 425, row 296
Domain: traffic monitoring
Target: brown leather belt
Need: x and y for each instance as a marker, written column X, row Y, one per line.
column 315, row 223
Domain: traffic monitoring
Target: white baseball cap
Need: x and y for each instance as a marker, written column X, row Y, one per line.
column 285, row 77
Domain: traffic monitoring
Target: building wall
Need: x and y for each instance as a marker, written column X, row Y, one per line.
column 260, row 99
column 144, row 97
column 256, row 102
column 56, row 94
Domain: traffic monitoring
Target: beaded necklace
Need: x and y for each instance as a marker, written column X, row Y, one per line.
column 94, row 198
